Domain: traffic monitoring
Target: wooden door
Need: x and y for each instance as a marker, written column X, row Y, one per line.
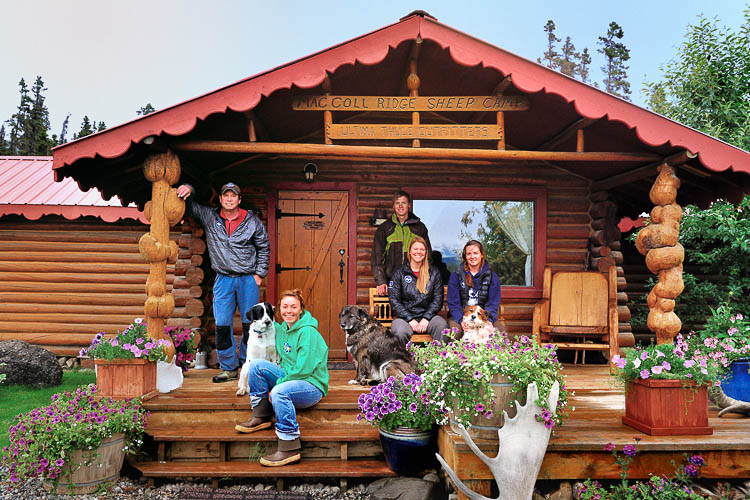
column 312, row 235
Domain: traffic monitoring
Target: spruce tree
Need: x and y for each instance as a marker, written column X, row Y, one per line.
column 145, row 110
column 550, row 55
column 584, row 60
column 86, row 128
column 3, row 143
column 19, row 120
column 37, row 127
column 616, row 54
column 567, row 60
column 63, row 131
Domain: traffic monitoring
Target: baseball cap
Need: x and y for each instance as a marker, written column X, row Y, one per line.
column 230, row 186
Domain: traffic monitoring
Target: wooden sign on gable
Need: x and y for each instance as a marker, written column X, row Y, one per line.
column 405, row 103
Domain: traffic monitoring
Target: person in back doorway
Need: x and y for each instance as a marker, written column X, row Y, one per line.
column 392, row 239
column 416, row 295
column 299, row 381
column 473, row 284
column 239, row 250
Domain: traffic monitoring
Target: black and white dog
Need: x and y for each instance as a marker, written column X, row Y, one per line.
column 261, row 342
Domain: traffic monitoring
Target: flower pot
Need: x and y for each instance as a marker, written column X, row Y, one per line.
column 667, row 407
column 126, row 378
column 737, row 383
column 408, row 451
column 486, row 428
column 99, row 468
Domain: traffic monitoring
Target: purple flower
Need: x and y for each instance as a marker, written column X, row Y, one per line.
column 689, row 363
column 479, row 407
column 644, row 374
column 549, row 424
column 629, row 450
column 59, row 462
column 657, row 369
column 691, row 470
column 609, row 447
column 666, row 365
column 413, row 407
column 477, row 374
column 644, row 356
column 697, row 460
column 619, row 361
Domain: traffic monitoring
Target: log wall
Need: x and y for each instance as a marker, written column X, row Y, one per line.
column 568, row 219
column 62, row 281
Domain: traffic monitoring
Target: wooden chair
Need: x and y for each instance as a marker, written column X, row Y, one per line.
column 380, row 309
column 578, row 311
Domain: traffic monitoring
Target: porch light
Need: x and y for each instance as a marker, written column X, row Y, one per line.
column 311, row 170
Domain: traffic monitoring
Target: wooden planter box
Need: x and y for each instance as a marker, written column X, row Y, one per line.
column 667, row 407
column 126, row 378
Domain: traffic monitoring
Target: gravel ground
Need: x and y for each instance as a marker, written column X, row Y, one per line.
column 130, row 489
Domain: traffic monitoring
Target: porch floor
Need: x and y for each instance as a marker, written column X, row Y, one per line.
column 192, row 429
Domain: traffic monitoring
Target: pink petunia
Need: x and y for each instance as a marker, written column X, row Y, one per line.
column 645, row 374
column 657, row 369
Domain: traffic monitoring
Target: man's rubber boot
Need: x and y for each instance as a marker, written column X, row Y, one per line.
column 289, row 452
column 261, row 418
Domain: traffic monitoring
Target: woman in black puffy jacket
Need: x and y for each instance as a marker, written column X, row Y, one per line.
column 416, row 296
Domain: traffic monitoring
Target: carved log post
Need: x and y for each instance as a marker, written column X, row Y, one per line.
column 664, row 255
column 164, row 210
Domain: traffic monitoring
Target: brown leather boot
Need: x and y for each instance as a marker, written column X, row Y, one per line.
column 261, row 418
column 289, row 452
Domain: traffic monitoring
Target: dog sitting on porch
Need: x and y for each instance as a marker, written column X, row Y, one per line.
column 477, row 328
column 377, row 353
column 261, row 342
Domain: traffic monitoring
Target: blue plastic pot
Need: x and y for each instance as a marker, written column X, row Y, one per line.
column 408, row 451
column 737, row 383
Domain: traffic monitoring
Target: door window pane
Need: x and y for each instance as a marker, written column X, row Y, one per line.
column 504, row 227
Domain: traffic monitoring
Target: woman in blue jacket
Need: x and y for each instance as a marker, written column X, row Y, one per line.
column 416, row 295
column 473, row 284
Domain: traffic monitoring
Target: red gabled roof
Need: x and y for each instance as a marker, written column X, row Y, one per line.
column 652, row 129
column 28, row 188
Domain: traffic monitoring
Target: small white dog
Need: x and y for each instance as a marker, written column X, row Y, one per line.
column 261, row 342
column 477, row 328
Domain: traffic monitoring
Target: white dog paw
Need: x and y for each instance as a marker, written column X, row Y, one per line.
column 241, row 392
column 353, row 382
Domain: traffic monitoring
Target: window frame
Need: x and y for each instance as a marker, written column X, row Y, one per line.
column 535, row 194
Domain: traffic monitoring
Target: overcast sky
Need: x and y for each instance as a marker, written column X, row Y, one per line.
column 106, row 59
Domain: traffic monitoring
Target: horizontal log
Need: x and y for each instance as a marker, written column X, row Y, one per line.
column 622, row 298
column 66, row 286
column 92, row 317
column 615, row 245
column 92, row 257
column 50, row 277
column 194, row 276
column 197, row 246
column 14, row 311
column 555, row 256
column 57, row 328
column 600, row 251
column 618, row 257
column 193, row 307
column 567, row 232
column 104, row 299
column 598, row 238
column 597, row 224
column 333, row 151
column 25, row 234
column 69, row 267
column 603, row 210
column 602, row 264
column 187, row 292
column 69, row 246
column 623, row 313
column 599, row 196
column 196, row 260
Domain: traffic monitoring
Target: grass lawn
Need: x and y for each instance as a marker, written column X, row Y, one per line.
column 15, row 399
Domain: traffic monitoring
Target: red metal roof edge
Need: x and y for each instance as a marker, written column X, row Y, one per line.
column 371, row 48
column 107, row 214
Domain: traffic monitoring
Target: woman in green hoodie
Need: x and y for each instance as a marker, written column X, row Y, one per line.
column 300, row 380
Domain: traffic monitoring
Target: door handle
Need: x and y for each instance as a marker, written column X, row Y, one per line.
column 341, row 265
column 280, row 268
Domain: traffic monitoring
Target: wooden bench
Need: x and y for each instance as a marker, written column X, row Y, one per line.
column 380, row 309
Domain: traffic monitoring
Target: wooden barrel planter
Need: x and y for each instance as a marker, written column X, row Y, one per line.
column 662, row 407
column 126, row 378
column 98, row 468
column 486, row 428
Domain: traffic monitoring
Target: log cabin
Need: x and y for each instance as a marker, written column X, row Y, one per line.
column 487, row 143
column 69, row 262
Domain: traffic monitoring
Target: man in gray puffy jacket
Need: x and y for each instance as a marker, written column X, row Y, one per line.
column 239, row 250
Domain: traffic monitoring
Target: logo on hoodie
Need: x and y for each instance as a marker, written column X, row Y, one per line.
column 408, row 279
column 287, row 347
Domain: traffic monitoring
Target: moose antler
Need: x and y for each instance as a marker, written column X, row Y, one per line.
column 728, row 405
column 522, row 445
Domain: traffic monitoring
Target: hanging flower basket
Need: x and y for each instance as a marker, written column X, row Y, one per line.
column 667, row 407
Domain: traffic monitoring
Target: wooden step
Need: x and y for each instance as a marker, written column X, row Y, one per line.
column 244, row 469
column 227, row 433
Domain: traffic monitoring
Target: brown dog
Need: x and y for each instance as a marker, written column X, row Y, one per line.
column 477, row 328
column 376, row 352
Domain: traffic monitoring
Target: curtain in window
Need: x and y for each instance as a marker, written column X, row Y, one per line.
column 516, row 218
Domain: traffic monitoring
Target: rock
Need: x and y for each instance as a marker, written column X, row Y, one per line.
column 405, row 488
column 70, row 362
column 29, row 364
column 61, row 362
column 564, row 493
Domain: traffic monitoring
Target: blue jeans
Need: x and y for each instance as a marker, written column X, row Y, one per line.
column 231, row 292
column 285, row 397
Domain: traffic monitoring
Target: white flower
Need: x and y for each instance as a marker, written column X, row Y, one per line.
column 636, row 363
